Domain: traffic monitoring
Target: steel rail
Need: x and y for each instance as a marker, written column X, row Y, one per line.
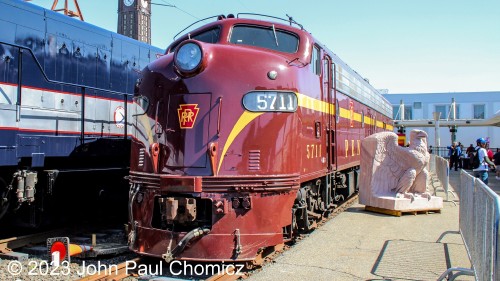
column 8, row 244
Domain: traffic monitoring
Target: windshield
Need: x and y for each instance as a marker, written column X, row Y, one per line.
column 265, row 37
column 207, row 36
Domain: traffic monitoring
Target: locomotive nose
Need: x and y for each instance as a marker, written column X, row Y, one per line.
column 187, row 121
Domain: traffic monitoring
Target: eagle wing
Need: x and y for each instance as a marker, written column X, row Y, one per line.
column 388, row 167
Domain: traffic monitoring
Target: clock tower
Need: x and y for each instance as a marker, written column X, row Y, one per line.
column 134, row 19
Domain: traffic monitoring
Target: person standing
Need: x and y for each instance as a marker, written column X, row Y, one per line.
column 481, row 172
column 470, row 154
column 454, row 154
column 470, row 149
column 461, row 156
column 496, row 159
column 488, row 150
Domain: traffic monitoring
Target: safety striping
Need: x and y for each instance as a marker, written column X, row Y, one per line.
column 329, row 108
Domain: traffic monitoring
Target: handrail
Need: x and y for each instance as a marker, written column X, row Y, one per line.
column 47, row 79
column 19, row 81
column 198, row 21
column 290, row 19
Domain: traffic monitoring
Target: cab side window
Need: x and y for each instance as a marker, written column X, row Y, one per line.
column 315, row 60
column 207, row 36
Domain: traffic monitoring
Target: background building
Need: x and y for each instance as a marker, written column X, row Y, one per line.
column 469, row 106
column 134, row 19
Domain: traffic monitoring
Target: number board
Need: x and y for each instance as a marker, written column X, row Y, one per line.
column 270, row 101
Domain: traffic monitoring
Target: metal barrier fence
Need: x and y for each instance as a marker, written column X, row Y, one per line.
column 440, row 167
column 443, row 151
column 479, row 228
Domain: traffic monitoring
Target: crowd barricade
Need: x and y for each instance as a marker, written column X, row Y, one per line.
column 478, row 226
column 441, row 151
column 440, row 167
column 432, row 163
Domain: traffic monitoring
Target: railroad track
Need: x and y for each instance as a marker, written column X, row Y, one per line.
column 232, row 273
column 7, row 245
column 116, row 269
column 341, row 208
column 118, row 272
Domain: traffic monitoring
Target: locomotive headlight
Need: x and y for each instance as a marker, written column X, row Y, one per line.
column 188, row 57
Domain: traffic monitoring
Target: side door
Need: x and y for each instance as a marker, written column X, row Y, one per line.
column 329, row 92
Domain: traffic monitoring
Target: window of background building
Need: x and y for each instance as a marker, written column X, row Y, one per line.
column 442, row 110
column 445, row 111
column 395, row 112
column 408, row 113
column 417, row 105
column 478, row 111
column 396, row 115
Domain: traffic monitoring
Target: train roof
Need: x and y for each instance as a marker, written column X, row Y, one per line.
column 230, row 20
column 90, row 33
column 240, row 19
column 358, row 87
column 369, row 95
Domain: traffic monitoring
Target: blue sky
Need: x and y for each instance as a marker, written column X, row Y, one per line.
column 405, row 46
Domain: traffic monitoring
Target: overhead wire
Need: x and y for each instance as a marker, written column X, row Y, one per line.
column 166, row 4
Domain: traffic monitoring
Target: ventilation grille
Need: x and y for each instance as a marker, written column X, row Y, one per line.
column 142, row 153
column 254, row 160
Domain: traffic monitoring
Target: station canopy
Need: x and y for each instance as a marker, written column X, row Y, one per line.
column 492, row 121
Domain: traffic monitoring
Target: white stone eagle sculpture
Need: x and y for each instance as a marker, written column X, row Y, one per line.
column 391, row 170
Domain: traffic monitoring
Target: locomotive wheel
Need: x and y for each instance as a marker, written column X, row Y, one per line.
column 4, row 204
column 305, row 220
column 303, row 224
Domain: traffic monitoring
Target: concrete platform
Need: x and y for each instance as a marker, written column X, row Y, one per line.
column 361, row 245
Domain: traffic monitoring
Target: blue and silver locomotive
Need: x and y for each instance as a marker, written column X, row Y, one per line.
column 66, row 107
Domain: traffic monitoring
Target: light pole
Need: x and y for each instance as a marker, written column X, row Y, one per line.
column 453, row 128
column 437, row 140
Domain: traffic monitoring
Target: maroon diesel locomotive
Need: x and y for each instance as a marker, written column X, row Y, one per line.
column 247, row 132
